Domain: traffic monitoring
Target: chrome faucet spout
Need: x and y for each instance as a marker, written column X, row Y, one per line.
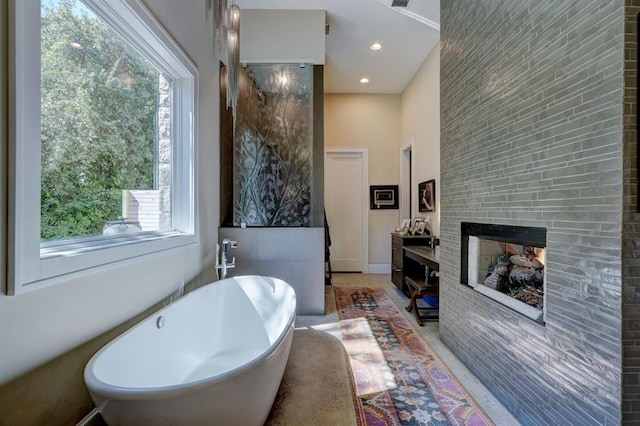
column 228, row 243
column 221, row 261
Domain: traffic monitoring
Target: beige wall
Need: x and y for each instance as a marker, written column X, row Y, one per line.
column 420, row 119
column 384, row 124
column 295, row 36
column 40, row 325
column 372, row 121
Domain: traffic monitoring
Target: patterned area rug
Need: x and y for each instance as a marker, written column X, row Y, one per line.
column 399, row 379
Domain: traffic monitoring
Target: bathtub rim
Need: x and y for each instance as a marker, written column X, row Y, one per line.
column 106, row 391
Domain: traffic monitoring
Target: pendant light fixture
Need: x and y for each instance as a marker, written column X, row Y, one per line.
column 233, row 58
column 226, row 45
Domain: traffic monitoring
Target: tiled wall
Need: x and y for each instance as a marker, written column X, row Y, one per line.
column 631, row 222
column 295, row 255
column 531, row 135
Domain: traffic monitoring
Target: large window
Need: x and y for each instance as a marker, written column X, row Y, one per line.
column 101, row 121
column 105, row 100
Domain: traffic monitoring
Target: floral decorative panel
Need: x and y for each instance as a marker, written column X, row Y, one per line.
column 273, row 146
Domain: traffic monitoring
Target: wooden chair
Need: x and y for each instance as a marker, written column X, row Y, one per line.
column 418, row 289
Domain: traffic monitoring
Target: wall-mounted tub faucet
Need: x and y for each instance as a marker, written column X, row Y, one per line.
column 222, row 256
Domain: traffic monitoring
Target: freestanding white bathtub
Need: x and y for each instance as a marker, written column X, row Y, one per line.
column 214, row 357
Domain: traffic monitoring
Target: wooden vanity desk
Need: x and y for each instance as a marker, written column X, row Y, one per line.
column 398, row 242
column 420, row 270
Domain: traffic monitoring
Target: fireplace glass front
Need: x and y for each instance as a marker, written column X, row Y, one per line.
column 506, row 264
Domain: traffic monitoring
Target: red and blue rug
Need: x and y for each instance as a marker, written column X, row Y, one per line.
column 399, row 380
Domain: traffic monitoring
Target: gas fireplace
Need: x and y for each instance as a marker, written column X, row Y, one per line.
column 506, row 264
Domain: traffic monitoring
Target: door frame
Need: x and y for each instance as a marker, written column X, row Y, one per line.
column 407, row 176
column 363, row 151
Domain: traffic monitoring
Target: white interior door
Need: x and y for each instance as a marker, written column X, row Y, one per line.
column 407, row 178
column 344, row 199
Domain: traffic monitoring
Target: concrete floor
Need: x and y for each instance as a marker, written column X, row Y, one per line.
column 429, row 332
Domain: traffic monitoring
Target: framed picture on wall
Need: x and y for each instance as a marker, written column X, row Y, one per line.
column 427, row 196
column 383, row 197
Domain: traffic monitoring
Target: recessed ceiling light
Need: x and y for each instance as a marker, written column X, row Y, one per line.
column 376, row 46
column 364, row 80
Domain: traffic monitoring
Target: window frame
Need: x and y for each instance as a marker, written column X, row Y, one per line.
column 33, row 264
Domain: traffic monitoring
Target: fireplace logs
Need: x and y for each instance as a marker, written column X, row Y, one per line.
column 498, row 278
column 518, row 275
column 529, row 295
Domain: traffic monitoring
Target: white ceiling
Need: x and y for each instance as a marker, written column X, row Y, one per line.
column 354, row 26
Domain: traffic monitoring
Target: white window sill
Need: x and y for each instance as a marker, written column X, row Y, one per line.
column 62, row 248
column 63, row 262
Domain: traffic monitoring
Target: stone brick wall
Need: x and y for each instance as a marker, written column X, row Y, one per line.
column 163, row 174
column 531, row 135
column 631, row 224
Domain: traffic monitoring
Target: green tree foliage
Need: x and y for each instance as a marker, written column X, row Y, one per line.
column 99, row 103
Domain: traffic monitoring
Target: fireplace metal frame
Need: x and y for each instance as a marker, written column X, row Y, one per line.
column 510, row 234
column 523, row 235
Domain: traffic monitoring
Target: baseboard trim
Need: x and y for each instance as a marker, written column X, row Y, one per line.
column 380, row 268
